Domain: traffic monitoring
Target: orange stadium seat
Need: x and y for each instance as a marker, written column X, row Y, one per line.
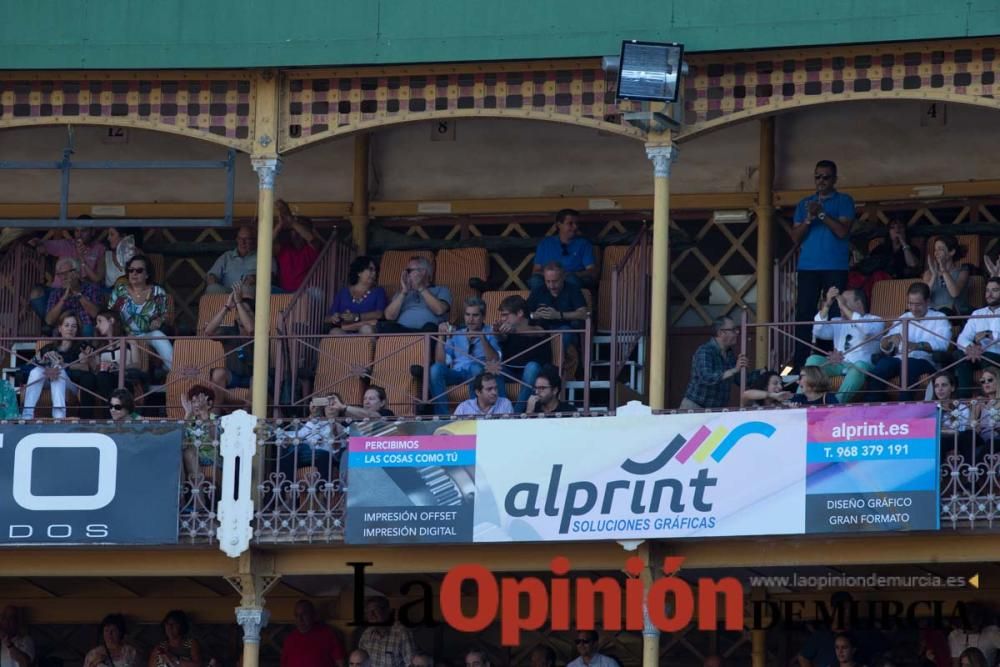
column 193, row 362
column 343, row 363
column 456, row 266
column 391, row 370
column 392, row 264
column 889, row 297
column 208, row 306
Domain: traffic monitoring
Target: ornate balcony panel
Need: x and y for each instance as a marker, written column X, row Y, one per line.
column 723, row 88
column 212, row 106
column 319, row 105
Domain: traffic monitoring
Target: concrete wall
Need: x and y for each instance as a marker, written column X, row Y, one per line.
column 873, row 143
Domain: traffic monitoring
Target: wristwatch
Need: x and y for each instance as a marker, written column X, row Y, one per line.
column 822, row 216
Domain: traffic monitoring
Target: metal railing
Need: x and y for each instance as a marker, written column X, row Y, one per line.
column 20, row 269
column 306, row 313
column 630, row 304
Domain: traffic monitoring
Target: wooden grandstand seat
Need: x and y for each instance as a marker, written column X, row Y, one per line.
column 455, row 266
column 612, row 255
column 493, row 300
column 973, row 249
column 159, row 270
column 391, row 370
column 193, row 363
column 459, row 293
column 976, row 289
column 889, row 297
column 392, row 264
column 343, row 363
column 208, row 306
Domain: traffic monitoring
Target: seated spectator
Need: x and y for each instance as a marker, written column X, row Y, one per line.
column 312, row 643
column 486, row 402
column 88, row 253
column 853, row 344
column 767, row 390
column 814, row 386
column 715, row 368
column 294, row 248
column 234, row 265
column 16, row 644
column 419, row 305
column 980, row 337
column 904, row 262
column 51, row 364
column 82, row 299
column 113, row 650
column 477, row 657
column 925, row 336
column 390, row 644
column 545, row 400
column 360, row 658
column 843, row 648
column 178, row 649
column 972, row 657
column 543, row 656
column 122, row 406
column 374, row 404
column 461, row 358
column 523, row 347
column 586, row 647
column 421, row 659
column 573, row 253
column 359, row 306
column 946, row 278
column 975, row 633
column 557, row 305
column 954, row 413
column 319, row 438
column 105, row 363
column 238, row 371
column 121, row 250
column 142, row 305
column 200, row 450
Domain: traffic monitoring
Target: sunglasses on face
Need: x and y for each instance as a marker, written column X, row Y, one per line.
column 136, row 269
column 986, row 381
column 116, row 406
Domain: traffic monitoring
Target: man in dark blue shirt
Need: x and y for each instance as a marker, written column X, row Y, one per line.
column 559, row 305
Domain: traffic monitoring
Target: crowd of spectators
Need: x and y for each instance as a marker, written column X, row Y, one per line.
column 103, row 289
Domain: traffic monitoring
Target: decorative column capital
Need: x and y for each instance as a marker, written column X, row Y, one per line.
column 267, row 168
column 252, row 620
column 663, row 158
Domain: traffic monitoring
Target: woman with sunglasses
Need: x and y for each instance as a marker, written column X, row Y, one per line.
column 122, row 406
column 142, row 305
column 357, row 307
column 985, row 411
column 52, row 363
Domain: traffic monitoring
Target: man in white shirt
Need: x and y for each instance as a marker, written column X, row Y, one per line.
column 16, row 647
column 980, row 338
column 486, row 402
column 924, row 337
column 854, row 341
column 586, row 646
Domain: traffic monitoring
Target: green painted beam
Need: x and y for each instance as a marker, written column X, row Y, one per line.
column 163, row 34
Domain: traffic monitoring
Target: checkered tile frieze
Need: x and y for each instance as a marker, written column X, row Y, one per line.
column 221, row 109
column 720, row 86
column 319, row 107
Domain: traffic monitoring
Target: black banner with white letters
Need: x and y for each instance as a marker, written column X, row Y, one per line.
column 89, row 483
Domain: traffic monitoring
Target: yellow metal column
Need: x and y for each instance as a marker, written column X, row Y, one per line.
column 650, row 633
column 359, row 206
column 765, row 239
column 663, row 155
column 266, row 163
column 758, row 648
column 255, row 579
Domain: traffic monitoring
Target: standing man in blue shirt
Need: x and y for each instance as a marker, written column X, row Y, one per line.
column 574, row 253
column 462, row 358
column 822, row 226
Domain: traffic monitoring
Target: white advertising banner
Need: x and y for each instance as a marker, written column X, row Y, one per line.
column 729, row 473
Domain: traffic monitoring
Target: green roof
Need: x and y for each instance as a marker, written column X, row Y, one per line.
column 164, row 34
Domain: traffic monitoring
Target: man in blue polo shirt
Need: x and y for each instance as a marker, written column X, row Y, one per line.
column 574, row 253
column 822, row 226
